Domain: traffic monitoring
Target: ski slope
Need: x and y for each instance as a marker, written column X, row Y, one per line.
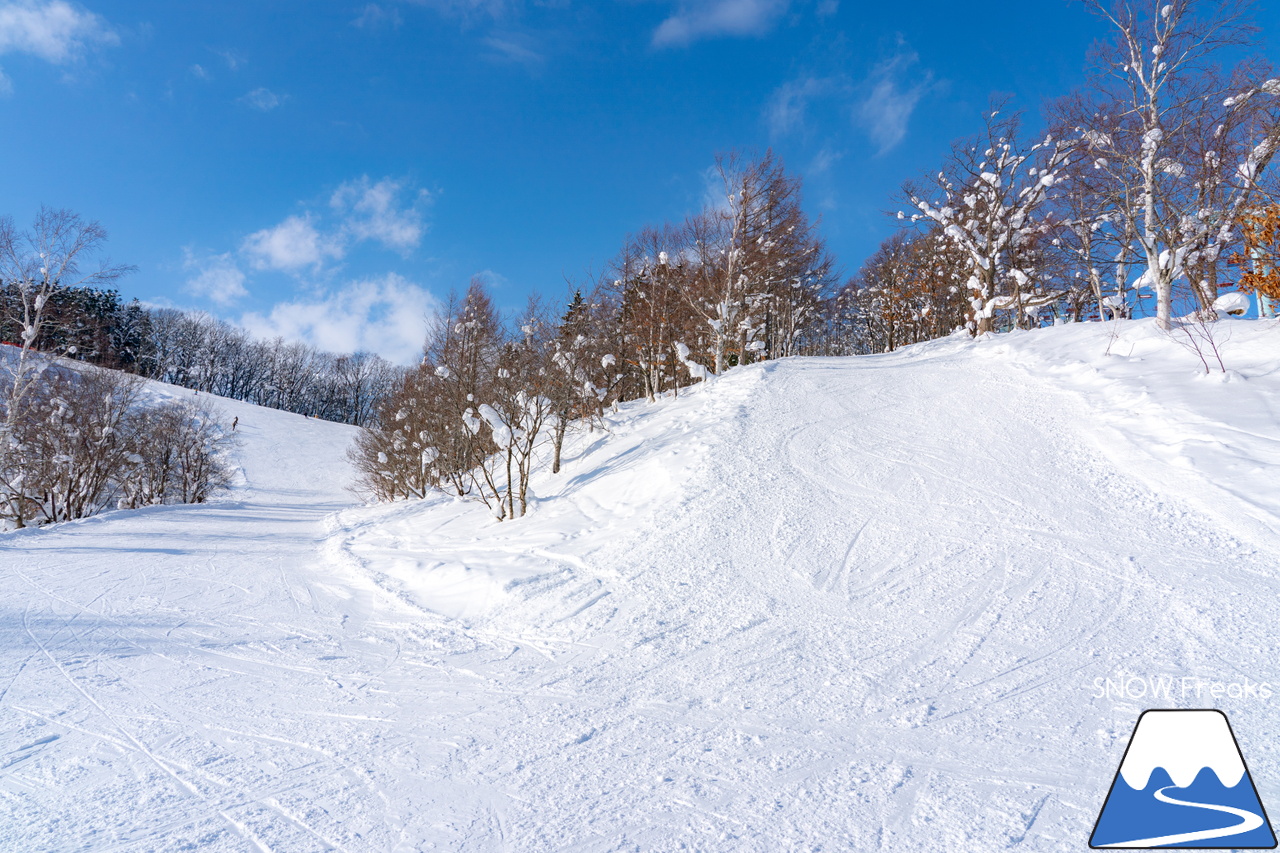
column 814, row 604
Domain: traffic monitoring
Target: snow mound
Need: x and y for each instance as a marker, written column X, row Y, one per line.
column 1212, row 437
column 453, row 558
column 1234, row 302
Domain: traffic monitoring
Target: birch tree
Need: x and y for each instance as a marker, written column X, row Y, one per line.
column 57, row 252
column 1184, row 143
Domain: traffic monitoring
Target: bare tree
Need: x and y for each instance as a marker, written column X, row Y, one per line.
column 909, row 291
column 651, row 276
column 178, row 454
column 57, row 252
column 758, row 272
column 428, row 434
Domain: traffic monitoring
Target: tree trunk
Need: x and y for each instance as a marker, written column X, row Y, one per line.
column 561, row 427
column 1164, row 303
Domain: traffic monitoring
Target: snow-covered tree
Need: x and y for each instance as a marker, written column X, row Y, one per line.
column 759, row 272
column 909, row 291
column 56, row 253
column 434, row 431
column 582, row 368
column 649, row 280
column 1185, row 144
column 990, row 201
column 87, row 439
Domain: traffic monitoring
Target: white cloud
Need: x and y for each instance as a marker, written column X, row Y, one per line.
column 701, row 19
column 217, row 278
column 494, row 279
column 470, row 8
column 374, row 16
column 387, row 212
column 291, row 246
column 892, row 97
column 714, row 195
column 386, row 315
column 513, row 48
column 261, row 99
column 823, row 161
column 788, row 107
column 233, row 58
column 373, row 212
column 54, row 30
column 200, row 71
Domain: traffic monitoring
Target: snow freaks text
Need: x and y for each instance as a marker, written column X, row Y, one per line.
column 1179, row 687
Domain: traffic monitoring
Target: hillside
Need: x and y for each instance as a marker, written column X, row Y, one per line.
column 815, row 604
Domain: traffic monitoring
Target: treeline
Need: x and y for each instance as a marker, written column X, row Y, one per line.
column 211, row 355
column 1146, row 190
column 195, row 350
column 745, row 280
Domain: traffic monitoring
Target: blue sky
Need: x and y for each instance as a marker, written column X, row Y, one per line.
column 328, row 170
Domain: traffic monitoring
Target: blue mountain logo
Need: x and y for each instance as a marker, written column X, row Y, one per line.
column 1183, row 784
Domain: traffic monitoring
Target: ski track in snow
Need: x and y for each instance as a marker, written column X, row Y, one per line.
column 865, row 611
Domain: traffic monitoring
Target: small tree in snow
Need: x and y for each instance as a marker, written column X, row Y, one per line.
column 582, row 368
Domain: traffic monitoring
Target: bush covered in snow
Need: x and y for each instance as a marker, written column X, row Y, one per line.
column 81, row 440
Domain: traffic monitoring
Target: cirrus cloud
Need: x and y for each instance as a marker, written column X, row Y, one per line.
column 695, row 20
column 894, row 88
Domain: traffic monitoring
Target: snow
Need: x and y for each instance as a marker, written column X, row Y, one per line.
column 851, row 603
column 1233, row 302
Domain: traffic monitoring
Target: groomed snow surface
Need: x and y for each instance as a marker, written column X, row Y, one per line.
column 817, row 604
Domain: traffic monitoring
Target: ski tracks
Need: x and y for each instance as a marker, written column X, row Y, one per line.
column 181, row 692
column 865, row 579
column 807, row 639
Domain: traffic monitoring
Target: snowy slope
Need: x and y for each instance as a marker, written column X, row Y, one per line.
column 815, row 604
